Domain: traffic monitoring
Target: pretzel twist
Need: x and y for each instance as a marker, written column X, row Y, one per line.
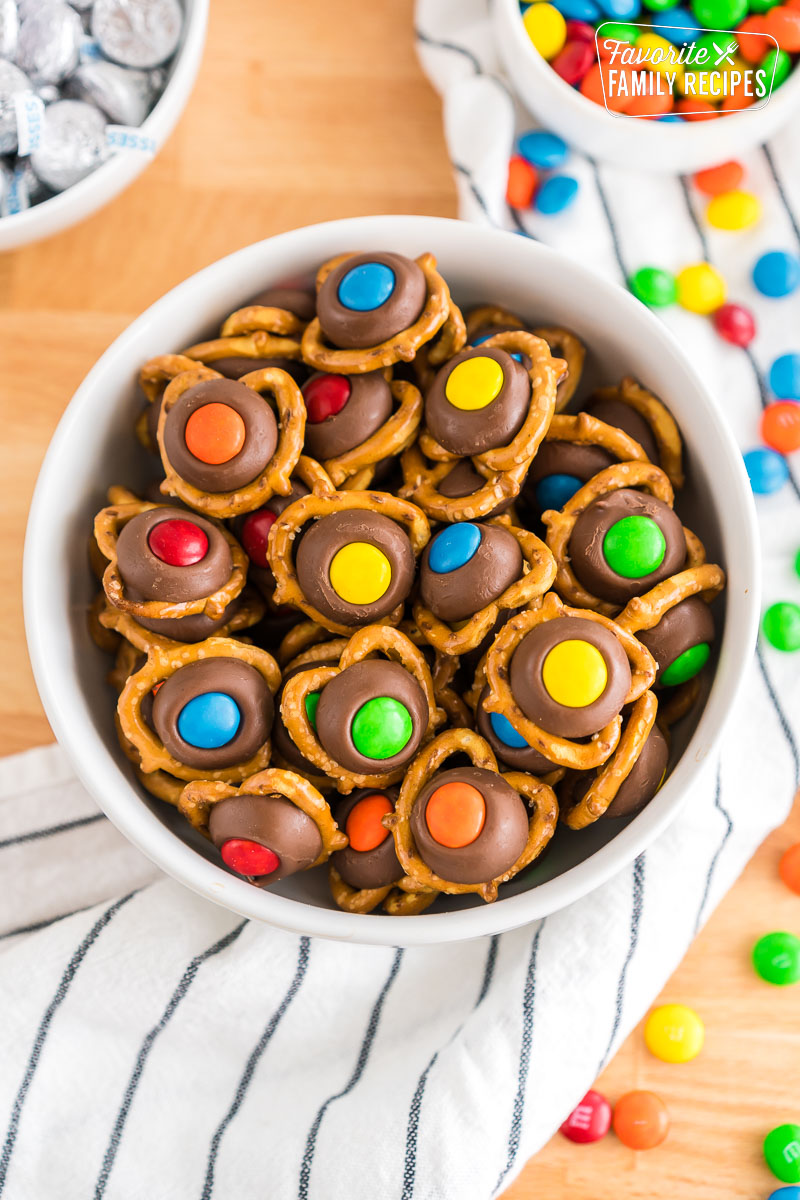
column 153, row 377
column 564, row 344
column 539, row 568
column 678, row 701
column 560, row 524
column 563, row 752
column 421, row 484
column 280, row 551
column 374, row 639
column 164, row 658
column 583, row 429
column 611, row 776
column 644, row 612
column 107, row 525
column 394, row 436
column 489, row 316
column 402, row 347
column 539, row 796
column 397, row 900
column 256, row 331
column 661, row 422
column 275, row 478
column 199, row 797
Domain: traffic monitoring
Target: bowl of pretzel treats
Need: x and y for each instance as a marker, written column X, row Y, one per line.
column 421, row 581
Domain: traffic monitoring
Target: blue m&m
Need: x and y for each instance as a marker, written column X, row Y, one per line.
column 674, row 24
column 505, row 732
column 454, row 547
column 556, row 194
column 768, row 470
column 209, row 721
column 540, row 148
column 777, row 273
column 366, row 287
column 555, row 490
column 784, row 377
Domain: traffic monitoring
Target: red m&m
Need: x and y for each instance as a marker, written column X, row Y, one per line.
column 325, row 396
column 590, row 1120
column 178, row 543
column 735, row 324
column 249, row 858
column 255, row 533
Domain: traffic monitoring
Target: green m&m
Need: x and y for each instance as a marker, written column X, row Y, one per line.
column 781, row 625
column 312, row 701
column 782, row 1152
column 653, row 287
column 719, row 14
column 634, row 547
column 779, row 62
column 776, row 958
column 381, row 728
column 686, row 665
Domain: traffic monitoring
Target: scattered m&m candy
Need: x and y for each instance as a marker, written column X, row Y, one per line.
column 641, row 1120
column 781, row 625
column 546, row 28
column 782, row 1152
column 733, row 210
column 789, row 868
column 735, row 324
column 777, row 273
column 556, row 194
column 776, row 959
column 785, row 1193
column 654, row 287
column 714, row 181
column 674, row 1033
column 589, row 1121
column 542, row 149
column 701, row 288
column 784, row 377
column 767, row 470
column 521, row 185
column 780, row 426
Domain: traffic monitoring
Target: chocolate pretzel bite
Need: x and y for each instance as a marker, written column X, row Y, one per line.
column 374, row 310
column 270, row 827
column 561, row 677
column 361, row 721
column 468, row 829
column 222, row 449
column 470, row 573
column 266, row 333
column 179, row 574
column 637, row 412
column 153, row 379
column 347, row 559
column 486, row 320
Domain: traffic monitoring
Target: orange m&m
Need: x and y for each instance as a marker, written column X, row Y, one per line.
column 790, row 868
column 641, row 1120
column 780, row 426
column 714, row 181
column 214, row 433
column 364, row 825
column 455, row 814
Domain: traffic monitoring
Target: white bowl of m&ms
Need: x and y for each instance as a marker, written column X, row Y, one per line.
column 89, row 93
column 654, row 84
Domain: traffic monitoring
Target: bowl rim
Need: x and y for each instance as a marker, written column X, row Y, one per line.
column 68, row 711
column 113, row 176
column 672, row 134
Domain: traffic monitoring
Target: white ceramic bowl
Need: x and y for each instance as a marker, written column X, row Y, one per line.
column 69, row 207
column 627, row 141
column 94, row 446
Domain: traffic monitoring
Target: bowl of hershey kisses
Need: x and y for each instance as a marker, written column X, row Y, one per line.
column 89, row 92
column 421, row 579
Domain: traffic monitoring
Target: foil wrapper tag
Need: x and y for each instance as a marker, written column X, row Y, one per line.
column 29, row 109
column 90, row 50
column 17, row 198
column 124, row 137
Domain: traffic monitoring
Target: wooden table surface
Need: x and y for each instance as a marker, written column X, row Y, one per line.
column 302, row 113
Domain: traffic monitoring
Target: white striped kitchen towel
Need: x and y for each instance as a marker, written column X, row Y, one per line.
column 155, row 1047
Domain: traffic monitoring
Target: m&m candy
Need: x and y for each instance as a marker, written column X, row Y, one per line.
column 784, row 377
column 455, row 814
column 785, row 1193
column 674, row 1033
column 215, row 433
column 733, row 210
column 209, row 720
column 589, row 1121
column 782, row 1152
column 780, row 426
column 715, row 181
column 573, row 62
column 789, row 868
column 641, row 1120
column 521, row 184
column 781, row 625
column 767, row 470
column 249, row 858
column 654, row 286
column 542, row 149
column 556, row 194
column 178, row 543
column 381, row 728
column 777, row 273
column 719, row 14
column 735, row 324
column 366, row 287
column 546, row 28
column 701, row 288
column 776, row 959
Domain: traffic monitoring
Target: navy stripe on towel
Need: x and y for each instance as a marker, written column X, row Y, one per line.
column 713, row 865
column 636, row 917
column 50, row 830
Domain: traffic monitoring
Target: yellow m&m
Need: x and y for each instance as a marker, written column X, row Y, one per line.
column 575, row 673
column 474, row 383
column 360, row 573
column 701, row 288
column 674, row 1033
column 546, row 28
column 734, row 210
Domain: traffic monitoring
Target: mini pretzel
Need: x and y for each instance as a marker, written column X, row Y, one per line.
column 292, row 519
column 583, row 429
column 610, row 778
column 158, row 783
column 491, row 316
column 394, row 436
column 107, row 525
column 256, row 331
column 565, row 345
column 660, row 420
column 444, row 668
column 275, row 478
column 374, row 639
column 421, row 484
column 679, row 701
column 199, row 797
column 427, row 763
column 643, row 612
column 564, row 752
column 540, row 571
column 402, row 347
column 153, row 378
column 451, row 338
column 397, row 900
column 544, row 373
column 164, row 658
column 642, row 475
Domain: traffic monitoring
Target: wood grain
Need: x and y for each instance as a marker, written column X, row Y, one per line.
column 303, row 113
